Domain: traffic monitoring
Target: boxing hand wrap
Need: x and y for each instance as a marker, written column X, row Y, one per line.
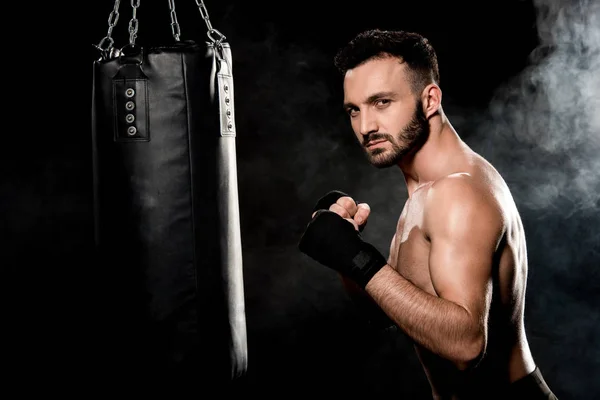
column 332, row 241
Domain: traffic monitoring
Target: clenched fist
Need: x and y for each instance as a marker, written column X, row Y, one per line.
column 329, row 239
column 345, row 206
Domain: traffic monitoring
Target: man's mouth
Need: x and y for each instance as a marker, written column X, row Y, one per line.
column 374, row 142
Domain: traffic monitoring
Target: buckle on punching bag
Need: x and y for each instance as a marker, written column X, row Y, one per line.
column 130, row 99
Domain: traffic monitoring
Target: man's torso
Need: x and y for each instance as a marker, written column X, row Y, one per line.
column 507, row 355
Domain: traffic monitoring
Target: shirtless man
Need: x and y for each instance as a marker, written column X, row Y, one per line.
column 456, row 276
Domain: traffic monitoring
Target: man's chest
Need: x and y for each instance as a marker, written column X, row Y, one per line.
column 409, row 252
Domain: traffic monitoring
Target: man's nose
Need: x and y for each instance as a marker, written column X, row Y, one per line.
column 368, row 124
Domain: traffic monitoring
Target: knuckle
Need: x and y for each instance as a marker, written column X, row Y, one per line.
column 346, row 202
column 341, row 211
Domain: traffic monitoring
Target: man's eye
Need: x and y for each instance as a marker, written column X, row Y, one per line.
column 352, row 112
column 382, row 102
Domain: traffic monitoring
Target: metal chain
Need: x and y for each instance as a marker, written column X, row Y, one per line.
column 211, row 31
column 133, row 23
column 214, row 35
column 174, row 24
column 112, row 21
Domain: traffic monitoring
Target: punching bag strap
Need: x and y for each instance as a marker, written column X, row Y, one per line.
column 221, row 92
column 224, row 91
column 221, row 89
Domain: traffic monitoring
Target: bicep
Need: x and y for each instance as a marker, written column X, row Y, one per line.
column 463, row 230
column 461, row 272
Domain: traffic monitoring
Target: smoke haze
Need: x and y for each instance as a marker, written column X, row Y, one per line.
column 542, row 131
column 543, row 128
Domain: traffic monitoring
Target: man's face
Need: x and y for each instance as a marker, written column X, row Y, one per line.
column 386, row 116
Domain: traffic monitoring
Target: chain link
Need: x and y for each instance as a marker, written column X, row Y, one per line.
column 133, row 23
column 211, row 31
column 174, row 24
column 216, row 36
column 113, row 18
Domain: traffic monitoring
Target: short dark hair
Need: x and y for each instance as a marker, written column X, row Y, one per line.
column 412, row 48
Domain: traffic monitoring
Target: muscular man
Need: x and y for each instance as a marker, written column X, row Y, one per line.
column 456, row 275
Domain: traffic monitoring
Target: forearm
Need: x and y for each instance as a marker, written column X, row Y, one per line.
column 441, row 326
column 367, row 307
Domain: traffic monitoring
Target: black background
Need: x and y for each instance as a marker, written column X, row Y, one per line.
column 520, row 85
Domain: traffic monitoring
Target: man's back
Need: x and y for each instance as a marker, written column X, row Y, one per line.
column 507, row 357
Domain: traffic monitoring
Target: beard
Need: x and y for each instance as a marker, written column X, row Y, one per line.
column 410, row 139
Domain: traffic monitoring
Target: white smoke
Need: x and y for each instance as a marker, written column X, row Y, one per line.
column 543, row 128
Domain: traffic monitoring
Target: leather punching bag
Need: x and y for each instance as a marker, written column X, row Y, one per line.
column 166, row 212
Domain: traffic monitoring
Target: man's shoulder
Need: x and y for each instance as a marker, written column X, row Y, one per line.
column 455, row 186
column 462, row 202
column 459, row 190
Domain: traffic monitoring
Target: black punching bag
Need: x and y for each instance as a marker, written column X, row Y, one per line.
column 166, row 215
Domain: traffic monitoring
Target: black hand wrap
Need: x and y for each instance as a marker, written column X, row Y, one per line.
column 333, row 242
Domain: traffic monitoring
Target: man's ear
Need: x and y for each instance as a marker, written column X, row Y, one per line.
column 431, row 99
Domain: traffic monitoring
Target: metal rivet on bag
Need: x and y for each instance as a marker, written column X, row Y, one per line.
column 230, row 126
column 226, row 88
column 228, row 113
column 226, row 99
column 129, row 118
column 131, row 130
column 129, row 92
column 130, row 105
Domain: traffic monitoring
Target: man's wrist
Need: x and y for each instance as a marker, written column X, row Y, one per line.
column 366, row 263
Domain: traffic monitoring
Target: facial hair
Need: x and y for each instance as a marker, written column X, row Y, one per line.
column 410, row 139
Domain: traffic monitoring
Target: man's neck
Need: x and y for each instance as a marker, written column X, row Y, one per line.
column 434, row 159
